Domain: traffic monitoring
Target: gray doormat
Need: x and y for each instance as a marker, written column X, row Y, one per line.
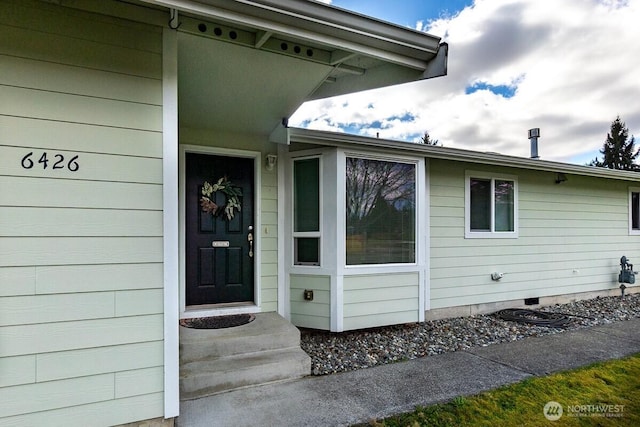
column 217, row 322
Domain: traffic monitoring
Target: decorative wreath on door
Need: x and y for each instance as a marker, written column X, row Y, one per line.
column 232, row 193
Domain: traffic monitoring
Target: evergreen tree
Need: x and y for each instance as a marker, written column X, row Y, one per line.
column 618, row 151
column 426, row 139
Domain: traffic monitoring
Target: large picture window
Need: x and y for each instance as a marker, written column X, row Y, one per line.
column 491, row 206
column 380, row 211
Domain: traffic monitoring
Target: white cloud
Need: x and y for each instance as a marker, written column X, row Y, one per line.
column 574, row 63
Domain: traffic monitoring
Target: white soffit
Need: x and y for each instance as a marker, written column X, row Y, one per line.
column 363, row 53
column 236, row 89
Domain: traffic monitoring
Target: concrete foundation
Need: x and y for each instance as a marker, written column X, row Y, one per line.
column 155, row 422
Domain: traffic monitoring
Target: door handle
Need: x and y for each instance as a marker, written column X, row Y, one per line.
column 250, row 240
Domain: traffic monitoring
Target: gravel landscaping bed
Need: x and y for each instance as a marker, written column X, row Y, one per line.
column 346, row 351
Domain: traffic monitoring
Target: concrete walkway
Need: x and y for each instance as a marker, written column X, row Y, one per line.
column 359, row 396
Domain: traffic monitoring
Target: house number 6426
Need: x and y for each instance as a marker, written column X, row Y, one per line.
column 56, row 161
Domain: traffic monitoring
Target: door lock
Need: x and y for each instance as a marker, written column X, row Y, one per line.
column 250, row 240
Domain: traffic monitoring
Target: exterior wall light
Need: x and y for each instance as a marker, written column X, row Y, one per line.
column 272, row 159
column 560, row 178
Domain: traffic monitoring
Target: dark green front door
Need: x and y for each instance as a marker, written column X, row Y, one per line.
column 219, row 250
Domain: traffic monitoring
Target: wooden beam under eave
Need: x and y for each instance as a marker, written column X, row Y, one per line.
column 339, row 56
column 348, row 69
column 261, row 38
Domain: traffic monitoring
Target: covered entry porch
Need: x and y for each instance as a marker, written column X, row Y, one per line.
column 234, row 73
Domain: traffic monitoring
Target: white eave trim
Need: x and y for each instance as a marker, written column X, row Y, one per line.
column 336, row 139
column 342, row 19
column 320, row 23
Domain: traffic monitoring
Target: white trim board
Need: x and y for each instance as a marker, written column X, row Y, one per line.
column 170, row 221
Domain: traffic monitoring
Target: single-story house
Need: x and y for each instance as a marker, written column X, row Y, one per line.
column 148, row 175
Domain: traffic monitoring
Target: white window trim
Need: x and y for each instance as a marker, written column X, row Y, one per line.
column 632, row 231
column 303, row 234
column 468, row 233
column 419, row 225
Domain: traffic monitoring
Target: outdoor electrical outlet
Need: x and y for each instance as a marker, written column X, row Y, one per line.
column 308, row 295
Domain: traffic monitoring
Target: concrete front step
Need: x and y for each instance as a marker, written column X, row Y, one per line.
column 217, row 360
column 268, row 331
column 206, row 377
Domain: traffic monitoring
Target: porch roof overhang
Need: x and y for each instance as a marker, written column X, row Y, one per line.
column 335, row 139
column 289, row 51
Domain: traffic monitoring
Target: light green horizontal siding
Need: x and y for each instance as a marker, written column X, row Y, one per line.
column 571, row 238
column 26, row 310
column 522, row 254
column 81, row 275
column 138, row 382
column 269, row 233
column 17, row 251
column 62, row 336
column 93, row 167
column 380, row 299
column 55, row 394
column 97, row 278
column 81, row 25
column 532, row 286
column 498, row 245
column 17, row 281
column 17, row 370
column 79, row 109
column 79, row 137
column 583, row 264
column 372, row 295
column 314, row 314
column 57, row 222
column 105, row 413
column 100, row 360
column 139, row 302
column 382, row 319
column 72, row 79
column 79, row 194
column 69, row 40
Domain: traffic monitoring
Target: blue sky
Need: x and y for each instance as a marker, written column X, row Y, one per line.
column 404, row 12
column 567, row 67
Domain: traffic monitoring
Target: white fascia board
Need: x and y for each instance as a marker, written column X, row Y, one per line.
column 345, row 19
column 436, row 152
column 319, row 23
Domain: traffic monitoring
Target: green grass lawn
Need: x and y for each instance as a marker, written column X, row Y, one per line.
column 611, row 388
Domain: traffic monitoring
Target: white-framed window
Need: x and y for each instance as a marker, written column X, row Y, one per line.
column 380, row 205
column 307, row 190
column 634, row 210
column 491, row 205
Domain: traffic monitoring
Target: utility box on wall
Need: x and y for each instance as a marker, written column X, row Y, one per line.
column 627, row 275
